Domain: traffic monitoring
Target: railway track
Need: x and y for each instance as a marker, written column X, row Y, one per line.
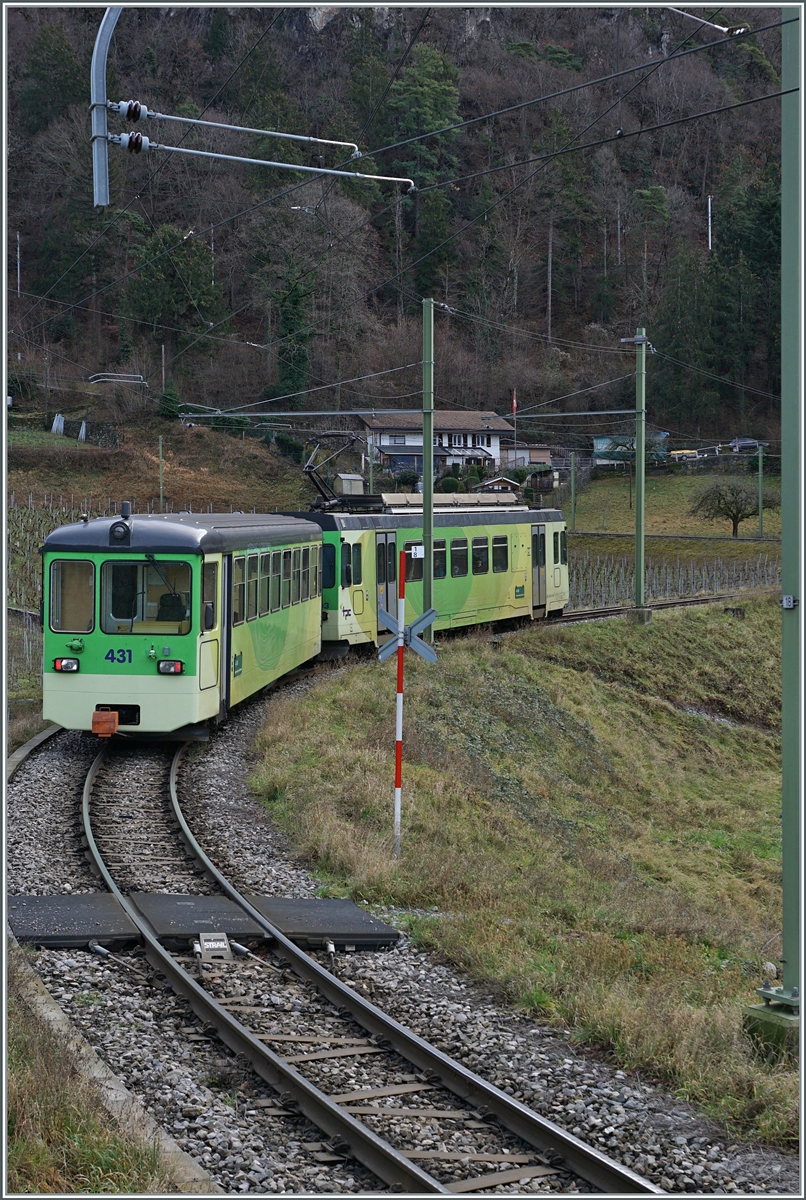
column 621, row 610
column 145, row 844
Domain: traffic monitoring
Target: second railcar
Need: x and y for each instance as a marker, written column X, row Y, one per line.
column 491, row 563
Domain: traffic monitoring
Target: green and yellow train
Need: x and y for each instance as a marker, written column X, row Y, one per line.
column 160, row 624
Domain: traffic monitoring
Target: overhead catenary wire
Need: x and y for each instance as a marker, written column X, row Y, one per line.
column 728, row 382
column 241, row 409
column 676, row 54
column 618, row 137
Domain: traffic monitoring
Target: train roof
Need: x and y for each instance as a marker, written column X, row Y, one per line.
column 184, row 533
column 442, row 520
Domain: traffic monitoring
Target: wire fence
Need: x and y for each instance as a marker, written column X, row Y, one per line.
column 603, row 580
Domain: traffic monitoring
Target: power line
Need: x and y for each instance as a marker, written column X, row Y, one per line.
column 325, row 386
column 523, row 412
column 618, row 137
column 718, row 378
column 676, row 54
column 532, row 335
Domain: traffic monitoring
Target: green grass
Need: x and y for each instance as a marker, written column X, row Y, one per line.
column 603, row 856
column 59, row 1137
column 19, row 436
column 603, row 506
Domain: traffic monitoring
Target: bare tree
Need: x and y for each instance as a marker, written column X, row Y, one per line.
column 732, row 502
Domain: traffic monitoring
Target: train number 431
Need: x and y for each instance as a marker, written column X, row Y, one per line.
column 118, row 656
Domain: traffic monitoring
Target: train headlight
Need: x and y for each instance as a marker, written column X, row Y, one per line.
column 65, row 664
column 170, row 666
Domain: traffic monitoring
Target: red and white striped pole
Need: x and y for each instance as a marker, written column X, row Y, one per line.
column 401, row 621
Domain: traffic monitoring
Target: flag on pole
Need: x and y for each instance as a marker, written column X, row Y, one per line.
column 514, row 402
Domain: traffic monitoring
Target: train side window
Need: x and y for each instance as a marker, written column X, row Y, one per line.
column 209, row 593
column 328, row 565
column 295, row 580
column 414, row 566
column 238, row 591
column 564, row 548
column 316, row 571
column 265, row 584
column 276, row 571
column 305, row 578
column 391, row 561
column 481, row 556
column 458, row 557
column 346, row 564
column 440, row 557
column 357, row 576
column 556, row 548
column 381, row 564
column 286, row 578
column 251, row 587
column 500, row 554
column 72, row 596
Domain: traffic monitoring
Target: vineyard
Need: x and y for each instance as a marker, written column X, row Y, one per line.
column 604, row 580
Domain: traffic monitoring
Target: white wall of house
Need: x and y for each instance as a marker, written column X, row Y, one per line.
column 488, row 444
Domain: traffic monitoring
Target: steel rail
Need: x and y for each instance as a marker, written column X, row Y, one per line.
column 586, row 1161
column 590, row 614
column 376, row 1154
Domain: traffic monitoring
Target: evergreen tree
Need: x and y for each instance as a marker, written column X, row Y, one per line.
column 175, row 289
column 55, row 79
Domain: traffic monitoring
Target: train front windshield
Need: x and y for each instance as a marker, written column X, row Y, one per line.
column 138, row 597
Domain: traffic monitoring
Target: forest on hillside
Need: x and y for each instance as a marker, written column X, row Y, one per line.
column 254, row 284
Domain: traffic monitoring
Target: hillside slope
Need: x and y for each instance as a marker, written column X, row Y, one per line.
column 593, row 812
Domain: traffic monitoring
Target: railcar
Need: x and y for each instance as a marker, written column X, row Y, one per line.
column 493, row 560
column 157, row 624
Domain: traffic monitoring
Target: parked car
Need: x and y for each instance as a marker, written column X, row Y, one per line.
column 746, row 445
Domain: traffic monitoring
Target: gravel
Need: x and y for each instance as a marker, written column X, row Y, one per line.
column 210, row 1101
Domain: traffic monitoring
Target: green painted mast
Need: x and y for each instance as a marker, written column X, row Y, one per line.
column 640, row 457
column 428, row 458
column 791, row 498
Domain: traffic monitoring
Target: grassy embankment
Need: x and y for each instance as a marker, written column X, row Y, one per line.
column 593, row 812
column 60, row 1138
column 604, row 506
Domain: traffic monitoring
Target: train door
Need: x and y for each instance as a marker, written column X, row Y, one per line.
column 538, row 566
column 209, row 648
column 386, row 574
column 226, row 635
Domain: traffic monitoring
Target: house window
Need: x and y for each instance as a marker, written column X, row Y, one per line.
column 489, row 440
column 397, row 439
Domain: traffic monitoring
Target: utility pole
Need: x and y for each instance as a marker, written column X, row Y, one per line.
column 640, row 342
column 18, row 264
column 428, row 456
column 163, row 366
column 777, row 1018
column 709, row 224
column 573, row 491
column 760, row 490
column 160, row 472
